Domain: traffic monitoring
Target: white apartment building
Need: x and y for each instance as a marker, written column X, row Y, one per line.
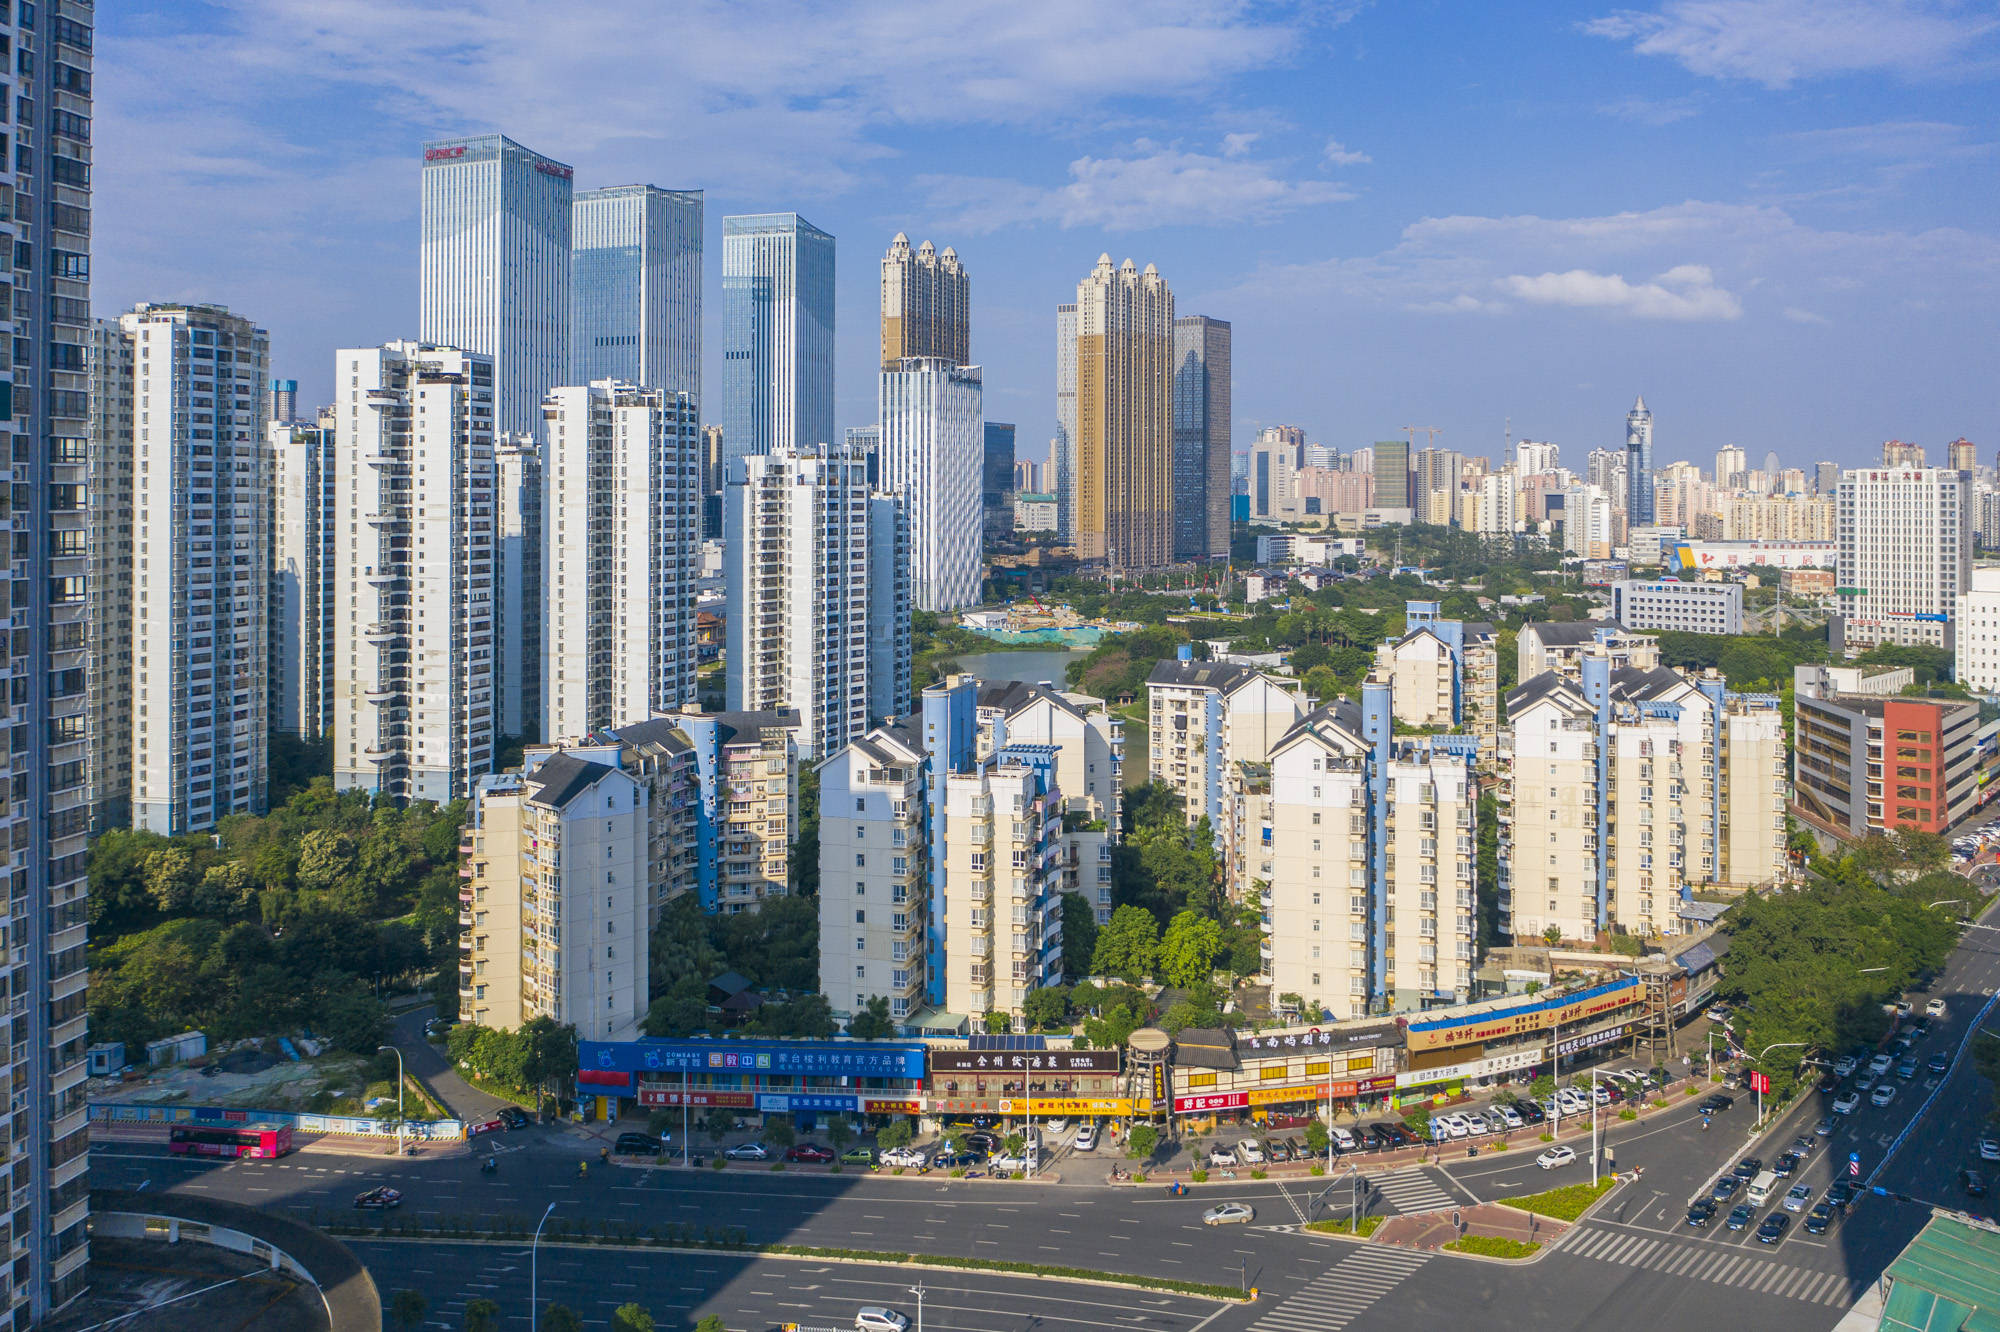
column 933, row 446
column 1443, row 673
column 494, row 266
column 818, row 603
column 1499, row 508
column 620, row 555
column 556, row 924
column 201, row 504
column 1533, row 457
column 1002, row 916
column 1976, row 652
column 302, row 531
column 1673, row 606
column 874, row 874
column 1274, row 469
column 1587, row 522
column 1369, row 887
column 109, row 480
column 1088, row 741
column 1204, row 719
column 1611, row 810
column 517, row 587
column 1561, row 646
column 1905, row 554
column 413, row 656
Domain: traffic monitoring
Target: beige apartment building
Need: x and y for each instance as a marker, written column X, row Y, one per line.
column 555, row 911
column 1561, row 647
column 1779, row 518
column 874, row 874
column 1205, row 718
column 1002, row 922
column 1124, row 483
column 1089, row 744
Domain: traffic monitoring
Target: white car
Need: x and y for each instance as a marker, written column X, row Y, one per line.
column 1221, row 1156
column 1556, row 1156
column 1883, row 1094
column 1935, row 1008
column 1229, row 1214
column 1475, row 1123
column 1881, row 1064
column 875, row 1318
column 1057, row 1127
column 1344, row 1140
column 1086, row 1138
column 1012, row 1165
column 1511, row 1117
column 1989, row 1149
column 1844, row 1065
column 1251, row 1153
column 1798, row 1198
column 1457, row 1127
column 1847, row 1103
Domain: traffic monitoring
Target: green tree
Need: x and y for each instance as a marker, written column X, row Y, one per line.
column 872, row 1023
column 632, row 1318
column 717, row 1122
column 1188, row 949
column 1141, row 1142
column 998, row 1023
column 1127, row 947
column 839, row 1132
column 1316, row 1136
column 711, row 1323
column 171, row 877
column 1079, row 923
column 1552, row 936
column 1047, row 1009
column 896, row 1133
column 354, row 1020
column 326, row 859
column 407, row 1309
column 482, row 1315
column 778, row 1132
column 560, row 1318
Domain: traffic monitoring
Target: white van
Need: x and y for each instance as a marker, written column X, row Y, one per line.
column 1761, row 1188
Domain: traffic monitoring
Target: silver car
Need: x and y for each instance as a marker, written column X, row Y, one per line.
column 1229, row 1214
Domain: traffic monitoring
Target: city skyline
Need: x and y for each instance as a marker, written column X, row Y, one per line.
column 1743, row 291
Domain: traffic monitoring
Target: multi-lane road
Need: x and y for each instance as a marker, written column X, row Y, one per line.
column 1636, row 1258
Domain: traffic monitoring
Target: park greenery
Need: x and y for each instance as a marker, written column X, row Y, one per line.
column 293, row 921
column 775, row 948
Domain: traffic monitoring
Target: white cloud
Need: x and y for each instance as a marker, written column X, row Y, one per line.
column 1685, row 292
column 1340, row 154
column 1779, row 42
column 1900, row 139
column 1161, row 187
column 1798, row 316
column 1235, row 145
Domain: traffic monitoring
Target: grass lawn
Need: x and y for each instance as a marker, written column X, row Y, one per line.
column 1564, row 1204
column 1341, row 1227
column 1493, row 1246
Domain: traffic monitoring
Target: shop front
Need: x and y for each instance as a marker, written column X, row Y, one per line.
column 971, row 1084
column 803, row 1079
column 1281, row 1079
column 1440, row 1083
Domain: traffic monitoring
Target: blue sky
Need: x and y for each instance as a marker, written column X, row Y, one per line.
column 1773, row 218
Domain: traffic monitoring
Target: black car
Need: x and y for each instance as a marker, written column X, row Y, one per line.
column 1841, row 1192
column 1748, row 1168
column 638, row 1144
column 1819, row 1218
column 1773, row 1228
column 380, row 1198
column 1715, row 1104
column 957, row 1160
column 1531, row 1113
column 1741, row 1215
column 1938, row 1062
column 982, row 1142
column 1700, row 1212
column 1973, row 1183
column 1785, row 1165
column 513, row 1116
column 1725, row 1188
column 1828, row 1085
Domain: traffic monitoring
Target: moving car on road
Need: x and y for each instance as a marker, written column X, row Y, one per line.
column 1785, row 1165
column 1883, row 1094
column 513, row 1116
column 1700, row 1212
column 1800, row 1195
column 1935, row 1008
column 748, row 1151
column 1989, row 1149
column 1714, row 1104
column 1973, row 1183
column 1229, row 1214
column 377, row 1199
column 1556, row 1156
column 1725, row 1188
column 1847, row 1103
column 1741, row 1215
column 1820, row 1217
column 1773, row 1228
column 1938, row 1062
column 875, row 1318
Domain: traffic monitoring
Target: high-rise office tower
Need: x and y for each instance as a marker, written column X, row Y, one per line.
column 1124, row 417
column 926, row 304
column 303, row 496
column 44, row 816
column 819, row 593
column 413, row 656
column 201, row 501
column 1903, row 555
column 932, row 450
column 494, row 274
column 1900, row 453
column 1274, row 471
column 1062, row 449
column 1201, row 438
column 517, row 588
column 1392, row 474
column 621, row 551
column 635, row 284
column 110, row 576
column 1434, row 485
column 1962, row 455
column 711, row 482
column 1826, row 478
column 997, row 483
column 777, row 335
column 1731, row 463
column 284, row 404
column 1639, row 464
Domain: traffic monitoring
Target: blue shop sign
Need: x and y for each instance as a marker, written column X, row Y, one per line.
column 820, row 1059
column 784, row 1103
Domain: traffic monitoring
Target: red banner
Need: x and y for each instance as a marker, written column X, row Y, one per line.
column 1760, row 1082
column 871, row 1106
column 1184, row 1105
column 729, row 1100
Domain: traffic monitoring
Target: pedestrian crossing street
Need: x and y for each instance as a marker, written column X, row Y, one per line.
column 1343, row 1292
column 1414, row 1190
column 1710, row 1262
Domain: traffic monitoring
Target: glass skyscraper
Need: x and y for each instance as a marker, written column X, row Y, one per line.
column 1201, row 438
column 1639, row 464
column 494, row 275
column 777, row 351
column 635, row 282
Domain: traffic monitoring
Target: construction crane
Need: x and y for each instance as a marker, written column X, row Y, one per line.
column 1432, row 431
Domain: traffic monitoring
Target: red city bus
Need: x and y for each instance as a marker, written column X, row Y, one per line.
column 268, row 1140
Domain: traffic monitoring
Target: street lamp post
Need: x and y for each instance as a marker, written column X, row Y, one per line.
column 1781, row 1045
column 1596, row 1149
column 918, row 1291
column 534, row 1272
column 399, row 1093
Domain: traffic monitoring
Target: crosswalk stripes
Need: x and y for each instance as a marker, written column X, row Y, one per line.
column 1413, row 1190
column 1286, row 1194
column 1706, row 1263
column 1340, row 1294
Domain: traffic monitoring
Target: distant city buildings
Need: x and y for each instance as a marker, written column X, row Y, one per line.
column 1124, row 476
column 635, row 288
column 1905, row 554
column 1639, row 463
column 777, row 346
column 926, row 305
column 1688, row 608
column 1201, row 438
column 933, row 453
